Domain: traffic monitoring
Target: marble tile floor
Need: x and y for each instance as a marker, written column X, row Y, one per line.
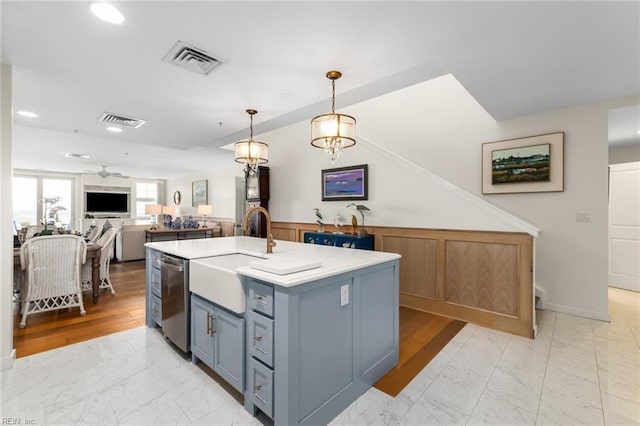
column 577, row 371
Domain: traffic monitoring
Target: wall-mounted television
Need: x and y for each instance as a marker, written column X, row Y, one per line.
column 106, row 202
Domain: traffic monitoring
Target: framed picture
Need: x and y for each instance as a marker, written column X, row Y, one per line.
column 199, row 191
column 345, row 183
column 530, row 164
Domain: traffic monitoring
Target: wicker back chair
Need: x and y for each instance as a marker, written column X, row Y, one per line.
column 52, row 266
column 93, row 233
column 106, row 241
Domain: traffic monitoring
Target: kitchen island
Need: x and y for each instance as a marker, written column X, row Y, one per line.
column 303, row 341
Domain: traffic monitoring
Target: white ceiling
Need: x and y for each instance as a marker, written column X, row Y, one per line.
column 514, row 58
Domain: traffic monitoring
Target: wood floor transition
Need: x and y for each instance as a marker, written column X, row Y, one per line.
column 422, row 336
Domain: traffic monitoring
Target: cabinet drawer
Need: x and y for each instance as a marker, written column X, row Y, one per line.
column 261, row 338
column 156, row 309
column 155, row 259
column 156, row 287
column 261, row 298
column 261, row 386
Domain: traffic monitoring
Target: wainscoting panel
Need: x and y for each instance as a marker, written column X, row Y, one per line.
column 284, row 234
column 481, row 275
column 475, row 276
column 417, row 265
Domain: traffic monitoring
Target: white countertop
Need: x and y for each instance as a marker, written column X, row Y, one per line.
column 334, row 260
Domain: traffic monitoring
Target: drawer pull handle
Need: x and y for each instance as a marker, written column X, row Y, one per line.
column 210, row 325
column 257, row 388
column 257, row 338
column 260, row 299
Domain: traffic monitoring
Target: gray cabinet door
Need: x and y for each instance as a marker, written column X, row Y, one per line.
column 202, row 314
column 229, row 348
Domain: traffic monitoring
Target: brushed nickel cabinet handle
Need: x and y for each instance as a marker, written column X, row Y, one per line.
column 257, row 388
column 209, row 326
column 257, row 338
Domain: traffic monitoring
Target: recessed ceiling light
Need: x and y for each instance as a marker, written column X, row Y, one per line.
column 114, row 129
column 639, row 132
column 107, row 13
column 71, row 155
column 27, row 114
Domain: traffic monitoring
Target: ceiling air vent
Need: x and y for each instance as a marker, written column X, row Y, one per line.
column 121, row 120
column 191, row 58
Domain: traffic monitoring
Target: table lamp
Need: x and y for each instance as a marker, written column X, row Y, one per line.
column 204, row 210
column 154, row 210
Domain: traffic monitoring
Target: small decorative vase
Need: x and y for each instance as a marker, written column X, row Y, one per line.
column 167, row 221
column 176, row 224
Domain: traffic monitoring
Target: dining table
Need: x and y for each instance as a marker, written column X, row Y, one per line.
column 93, row 256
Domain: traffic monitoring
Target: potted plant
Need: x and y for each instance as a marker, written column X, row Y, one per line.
column 50, row 211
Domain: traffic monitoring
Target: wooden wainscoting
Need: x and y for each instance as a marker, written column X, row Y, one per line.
column 475, row 276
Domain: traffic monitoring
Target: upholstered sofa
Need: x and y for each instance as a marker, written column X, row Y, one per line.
column 131, row 242
column 131, row 238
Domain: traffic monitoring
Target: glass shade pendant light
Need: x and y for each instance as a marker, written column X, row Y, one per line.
column 250, row 152
column 333, row 132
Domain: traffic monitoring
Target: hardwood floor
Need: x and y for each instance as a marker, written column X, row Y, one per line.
column 113, row 313
column 422, row 336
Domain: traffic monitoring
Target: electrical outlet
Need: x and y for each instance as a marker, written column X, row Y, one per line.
column 583, row 217
column 344, row 295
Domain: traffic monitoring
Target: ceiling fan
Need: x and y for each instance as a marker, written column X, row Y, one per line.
column 104, row 173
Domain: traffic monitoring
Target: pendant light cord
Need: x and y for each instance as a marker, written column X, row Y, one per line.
column 333, row 96
column 251, row 128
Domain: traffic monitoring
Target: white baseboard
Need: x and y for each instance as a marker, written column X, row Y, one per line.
column 539, row 293
column 571, row 310
column 7, row 362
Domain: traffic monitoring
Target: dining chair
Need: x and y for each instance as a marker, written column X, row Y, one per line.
column 52, row 274
column 92, row 234
column 106, row 242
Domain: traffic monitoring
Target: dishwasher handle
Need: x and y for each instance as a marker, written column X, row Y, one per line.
column 173, row 266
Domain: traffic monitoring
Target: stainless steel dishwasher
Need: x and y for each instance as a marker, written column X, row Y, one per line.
column 174, row 273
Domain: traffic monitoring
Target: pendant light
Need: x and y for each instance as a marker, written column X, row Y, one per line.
column 250, row 152
column 333, row 132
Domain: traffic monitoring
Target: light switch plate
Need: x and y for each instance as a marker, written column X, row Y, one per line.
column 344, row 295
column 582, row 216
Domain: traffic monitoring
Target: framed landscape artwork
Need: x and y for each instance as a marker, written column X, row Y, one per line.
column 199, row 191
column 345, row 183
column 530, row 164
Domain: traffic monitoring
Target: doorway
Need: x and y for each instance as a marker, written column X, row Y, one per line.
column 624, row 226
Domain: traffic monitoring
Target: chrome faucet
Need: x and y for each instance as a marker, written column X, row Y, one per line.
column 245, row 225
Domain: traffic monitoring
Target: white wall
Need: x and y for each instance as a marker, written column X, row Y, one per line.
column 401, row 193
column 571, row 257
column 7, row 353
column 221, row 191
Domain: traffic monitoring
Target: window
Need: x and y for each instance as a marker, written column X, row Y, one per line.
column 146, row 193
column 58, row 188
column 25, row 201
column 28, row 192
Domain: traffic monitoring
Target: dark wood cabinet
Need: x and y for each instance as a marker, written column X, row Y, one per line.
column 257, row 184
column 257, row 194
